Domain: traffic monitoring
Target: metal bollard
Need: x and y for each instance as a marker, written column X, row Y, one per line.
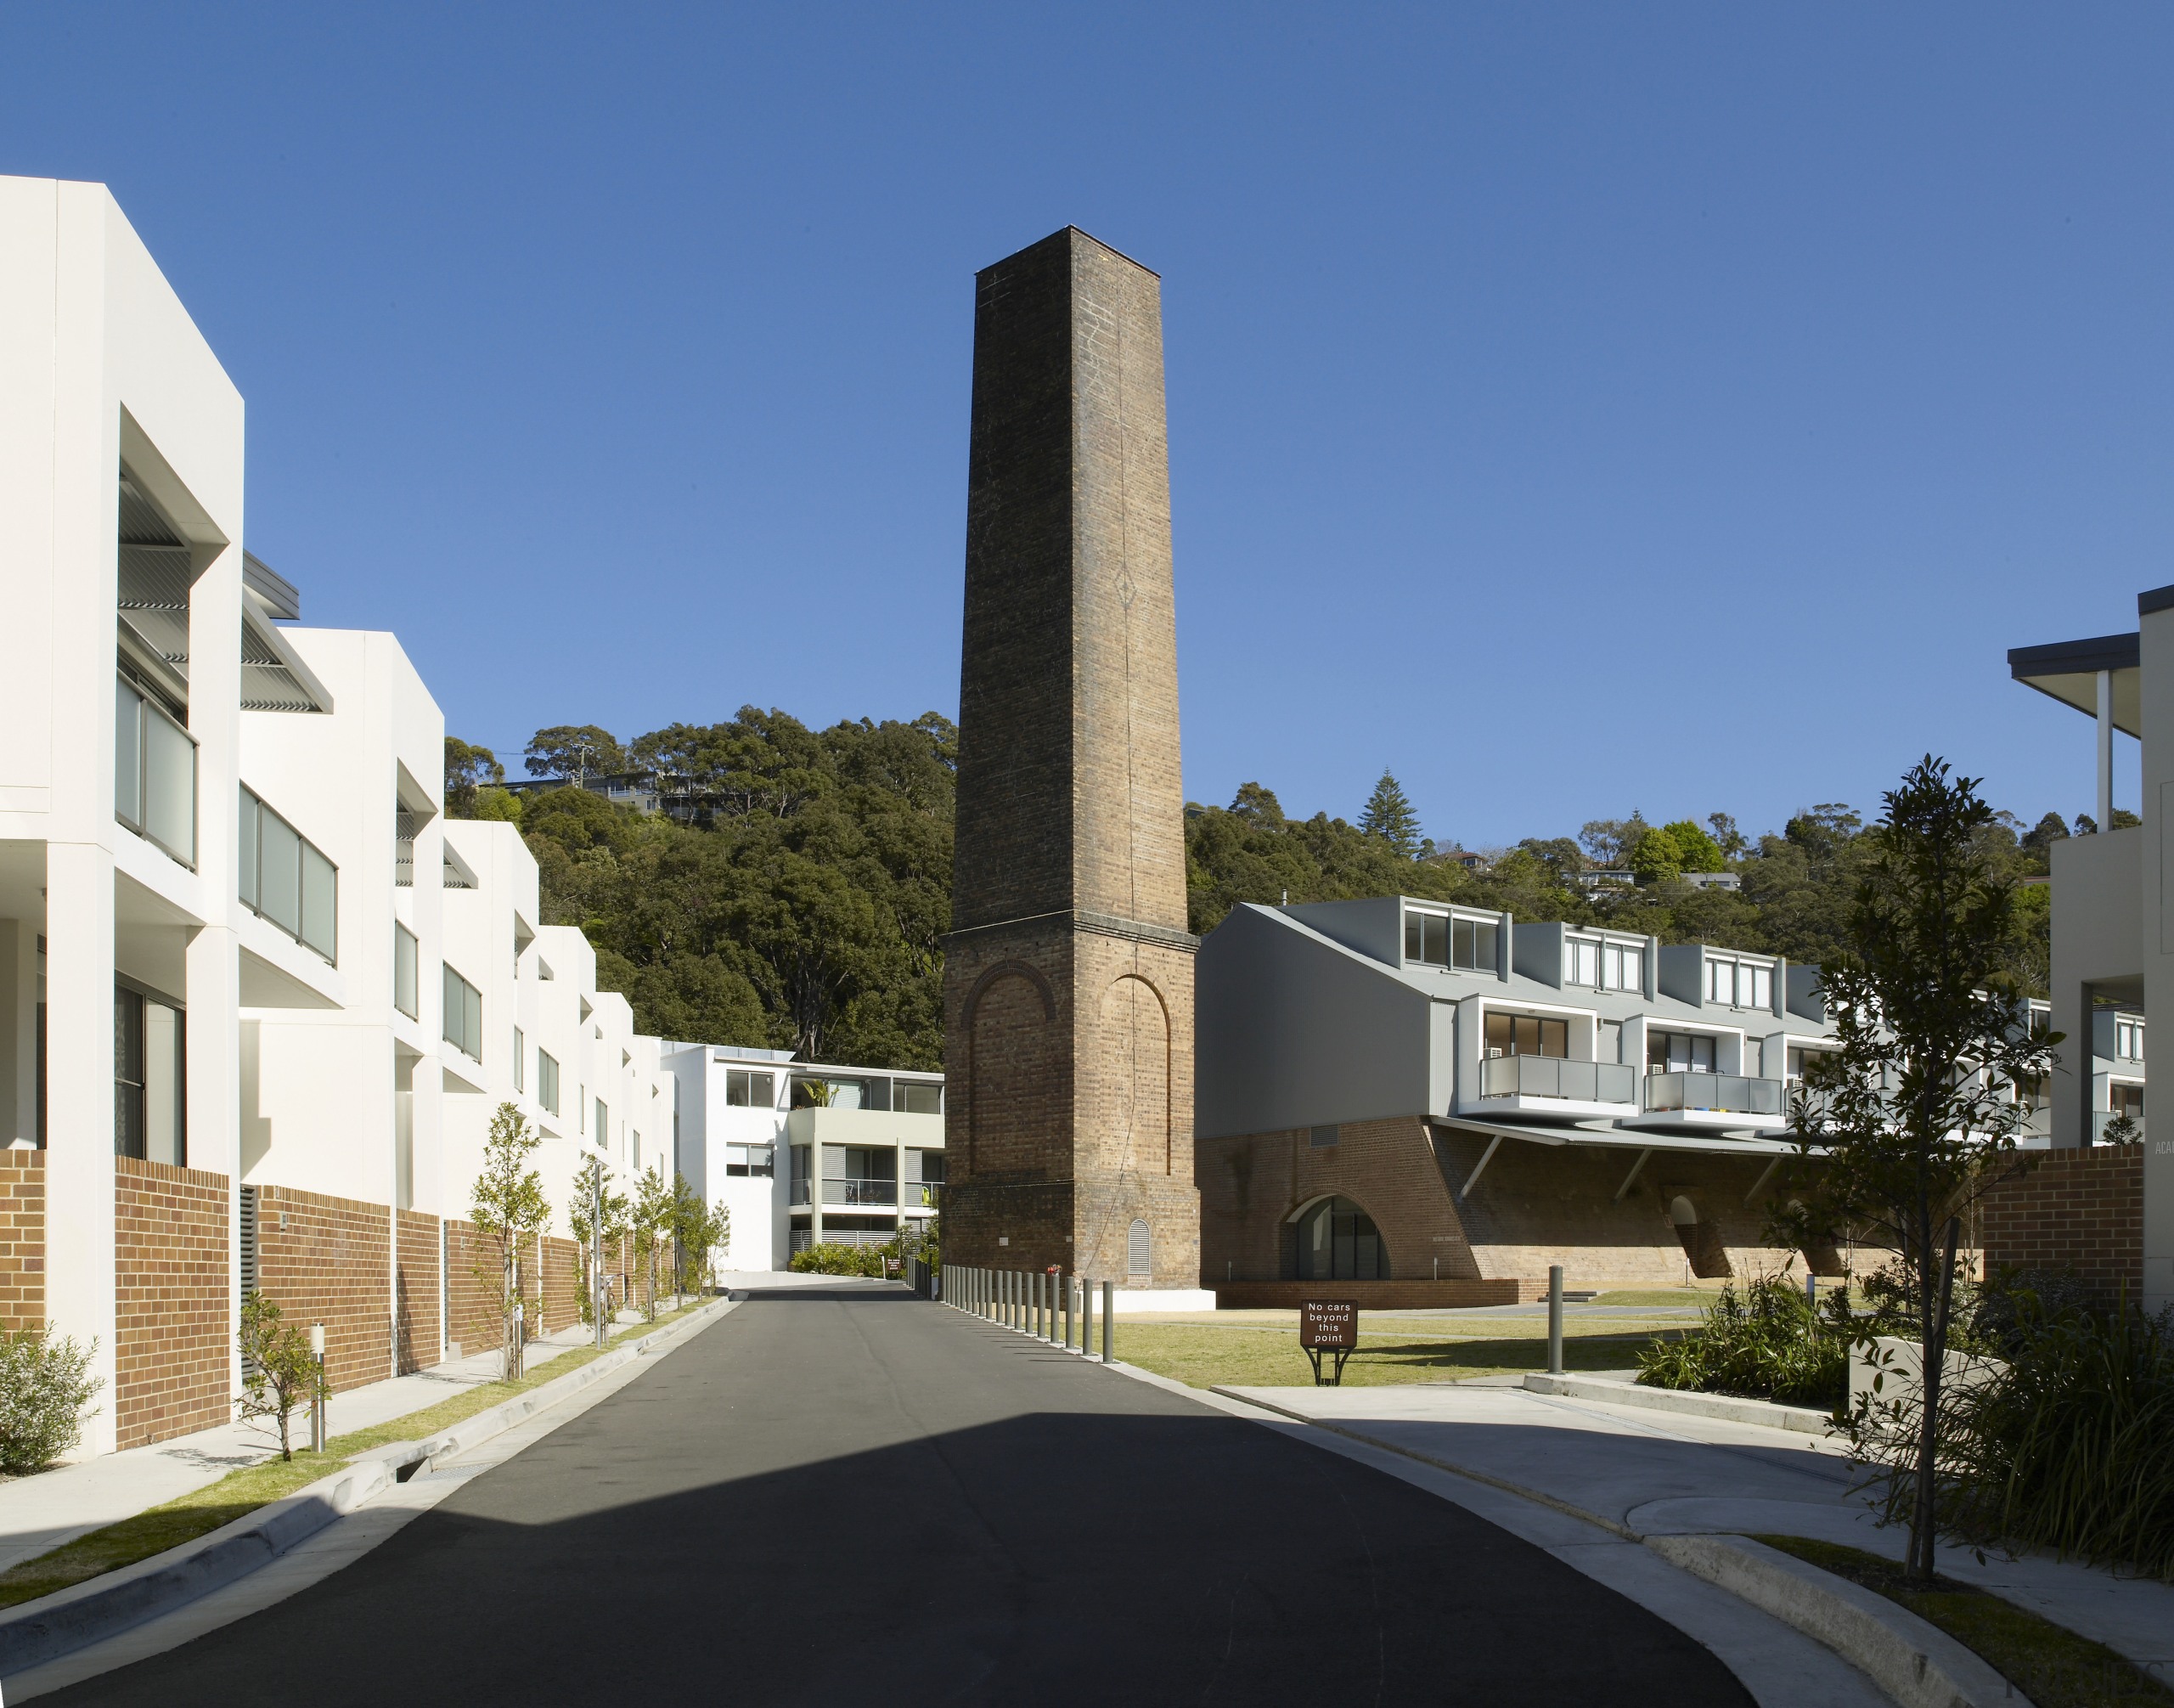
column 1086, row 1318
column 1108, row 1310
column 1555, row 1319
column 1041, row 1305
column 1064, row 1281
column 1811, row 1292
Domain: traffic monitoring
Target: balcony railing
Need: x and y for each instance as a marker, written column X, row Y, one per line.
column 923, row 1194
column 1551, row 1076
column 884, row 1192
column 800, row 1193
column 2102, row 1118
column 153, row 772
column 1720, row 1094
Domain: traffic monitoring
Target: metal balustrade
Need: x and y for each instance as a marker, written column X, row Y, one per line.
column 1728, row 1094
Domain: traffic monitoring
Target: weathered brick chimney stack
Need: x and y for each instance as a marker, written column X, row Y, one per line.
column 1068, row 981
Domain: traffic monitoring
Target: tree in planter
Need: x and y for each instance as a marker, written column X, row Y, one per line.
column 652, row 1220
column 592, row 1187
column 45, row 1383
column 508, row 1206
column 278, row 1372
column 1914, row 1117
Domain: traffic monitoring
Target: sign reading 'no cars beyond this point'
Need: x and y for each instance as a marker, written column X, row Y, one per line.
column 1328, row 1325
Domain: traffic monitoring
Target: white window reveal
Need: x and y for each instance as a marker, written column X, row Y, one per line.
column 1581, row 962
column 1739, row 984
column 2128, row 1039
column 1623, row 968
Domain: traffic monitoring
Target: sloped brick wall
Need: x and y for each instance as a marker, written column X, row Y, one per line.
column 2078, row 1213
column 417, row 1312
column 171, row 1301
column 329, row 1260
column 22, row 1238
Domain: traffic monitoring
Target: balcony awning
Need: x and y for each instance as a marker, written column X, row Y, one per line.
column 1620, row 1138
column 2068, row 671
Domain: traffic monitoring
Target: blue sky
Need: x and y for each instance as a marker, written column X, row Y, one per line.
column 1574, row 409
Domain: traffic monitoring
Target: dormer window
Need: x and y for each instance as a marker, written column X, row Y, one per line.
column 1438, row 939
column 1601, row 965
column 1739, row 984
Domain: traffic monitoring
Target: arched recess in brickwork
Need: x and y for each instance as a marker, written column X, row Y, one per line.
column 1701, row 1240
column 1012, row 1063
column 1135, row 1077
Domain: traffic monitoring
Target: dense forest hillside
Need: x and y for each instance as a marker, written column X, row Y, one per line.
column 800, row 899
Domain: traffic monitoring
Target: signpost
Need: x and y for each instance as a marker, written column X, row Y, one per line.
column 1328, row 1325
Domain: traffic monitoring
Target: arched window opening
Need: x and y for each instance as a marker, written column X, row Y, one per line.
column 1338, row 1241
column 1139, row 1251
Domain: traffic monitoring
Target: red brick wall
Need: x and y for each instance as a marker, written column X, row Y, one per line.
column 416, row 1313
column 562, row 1284
column 22, row 1238
column 471, row 1289
column 171, row 1313
column 2077, row 1212
column 329, row 1260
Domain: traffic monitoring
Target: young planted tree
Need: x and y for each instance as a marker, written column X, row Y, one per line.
column 594, row 1235
column 1915, row 1116
column 509, row 1208
column 695, row 1231
column 652, row 1221
column 278, row 1372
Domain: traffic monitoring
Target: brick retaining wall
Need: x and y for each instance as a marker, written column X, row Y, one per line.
column 22, row 1238
column 329, row 1260
column 562, row 1284
column 471, row 1298
column 2077, row 1212
column 172, row 1304
column 418, row 1317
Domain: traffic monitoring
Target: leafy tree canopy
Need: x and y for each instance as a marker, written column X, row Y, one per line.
column 575, row 751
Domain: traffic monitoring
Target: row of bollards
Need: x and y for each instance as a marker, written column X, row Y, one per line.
column 1032, row 1301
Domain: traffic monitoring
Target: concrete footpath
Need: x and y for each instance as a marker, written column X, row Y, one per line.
column 1644, row 1475
column 40, row 1512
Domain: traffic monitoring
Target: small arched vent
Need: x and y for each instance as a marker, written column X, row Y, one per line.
column 1139, row 1254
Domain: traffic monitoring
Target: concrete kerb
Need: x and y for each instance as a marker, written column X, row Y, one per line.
column 1803, row 1420
column 101, row 1606
column 1915, row 1663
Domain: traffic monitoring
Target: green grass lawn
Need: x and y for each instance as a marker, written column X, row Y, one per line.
column 1205, row 1356
column 238, row 1493
column 2050, row 1664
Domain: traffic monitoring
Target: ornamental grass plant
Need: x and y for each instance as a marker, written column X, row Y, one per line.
column 1765, row 1342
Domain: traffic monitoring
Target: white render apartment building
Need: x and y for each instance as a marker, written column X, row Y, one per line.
column 258, row 1000
column 807, row 1153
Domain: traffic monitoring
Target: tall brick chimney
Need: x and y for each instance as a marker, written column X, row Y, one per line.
column 1068, row 977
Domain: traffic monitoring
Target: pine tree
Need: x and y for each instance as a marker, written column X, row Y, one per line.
column 1388, row 815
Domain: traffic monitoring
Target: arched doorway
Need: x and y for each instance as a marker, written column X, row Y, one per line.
column 1338, row 1241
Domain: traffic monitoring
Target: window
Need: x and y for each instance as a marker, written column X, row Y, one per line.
column 404, row 971
column 910, row 1097
column 1799, row 1054
column 153, row 772
column 547, row 1080
column 286, row 881
column 1739, row 984
column 1338, row 1241
column 1435, row 939
column 1527, row 1035
column 1679, row 1052
column 2128, row 1039
column 750, row 1159
column 2125, row 1100
column 1622, row 967
column 1581, row 961
column 520, row 1061
column 603, row 1134
column 150, row 1115
column 463, row 1016
column 747, row 1089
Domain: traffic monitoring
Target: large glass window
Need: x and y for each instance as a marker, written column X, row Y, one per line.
column 151, row 1117
column 1435, row 939
column 1679, row 1052
column 1338, row 1241
column 749, row 1159
column 1739, row 984
column 2128, row 1039
column 1527, row 1035
column 747, row 1088
column 463, row 1016
column 602, row 1132
column 1581, row 961
column 1622, row 969
column 286, row 879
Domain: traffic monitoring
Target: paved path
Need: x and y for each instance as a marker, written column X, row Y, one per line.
column 840, row 1492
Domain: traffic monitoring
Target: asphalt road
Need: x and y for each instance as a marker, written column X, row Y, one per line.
column 847, row 1496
